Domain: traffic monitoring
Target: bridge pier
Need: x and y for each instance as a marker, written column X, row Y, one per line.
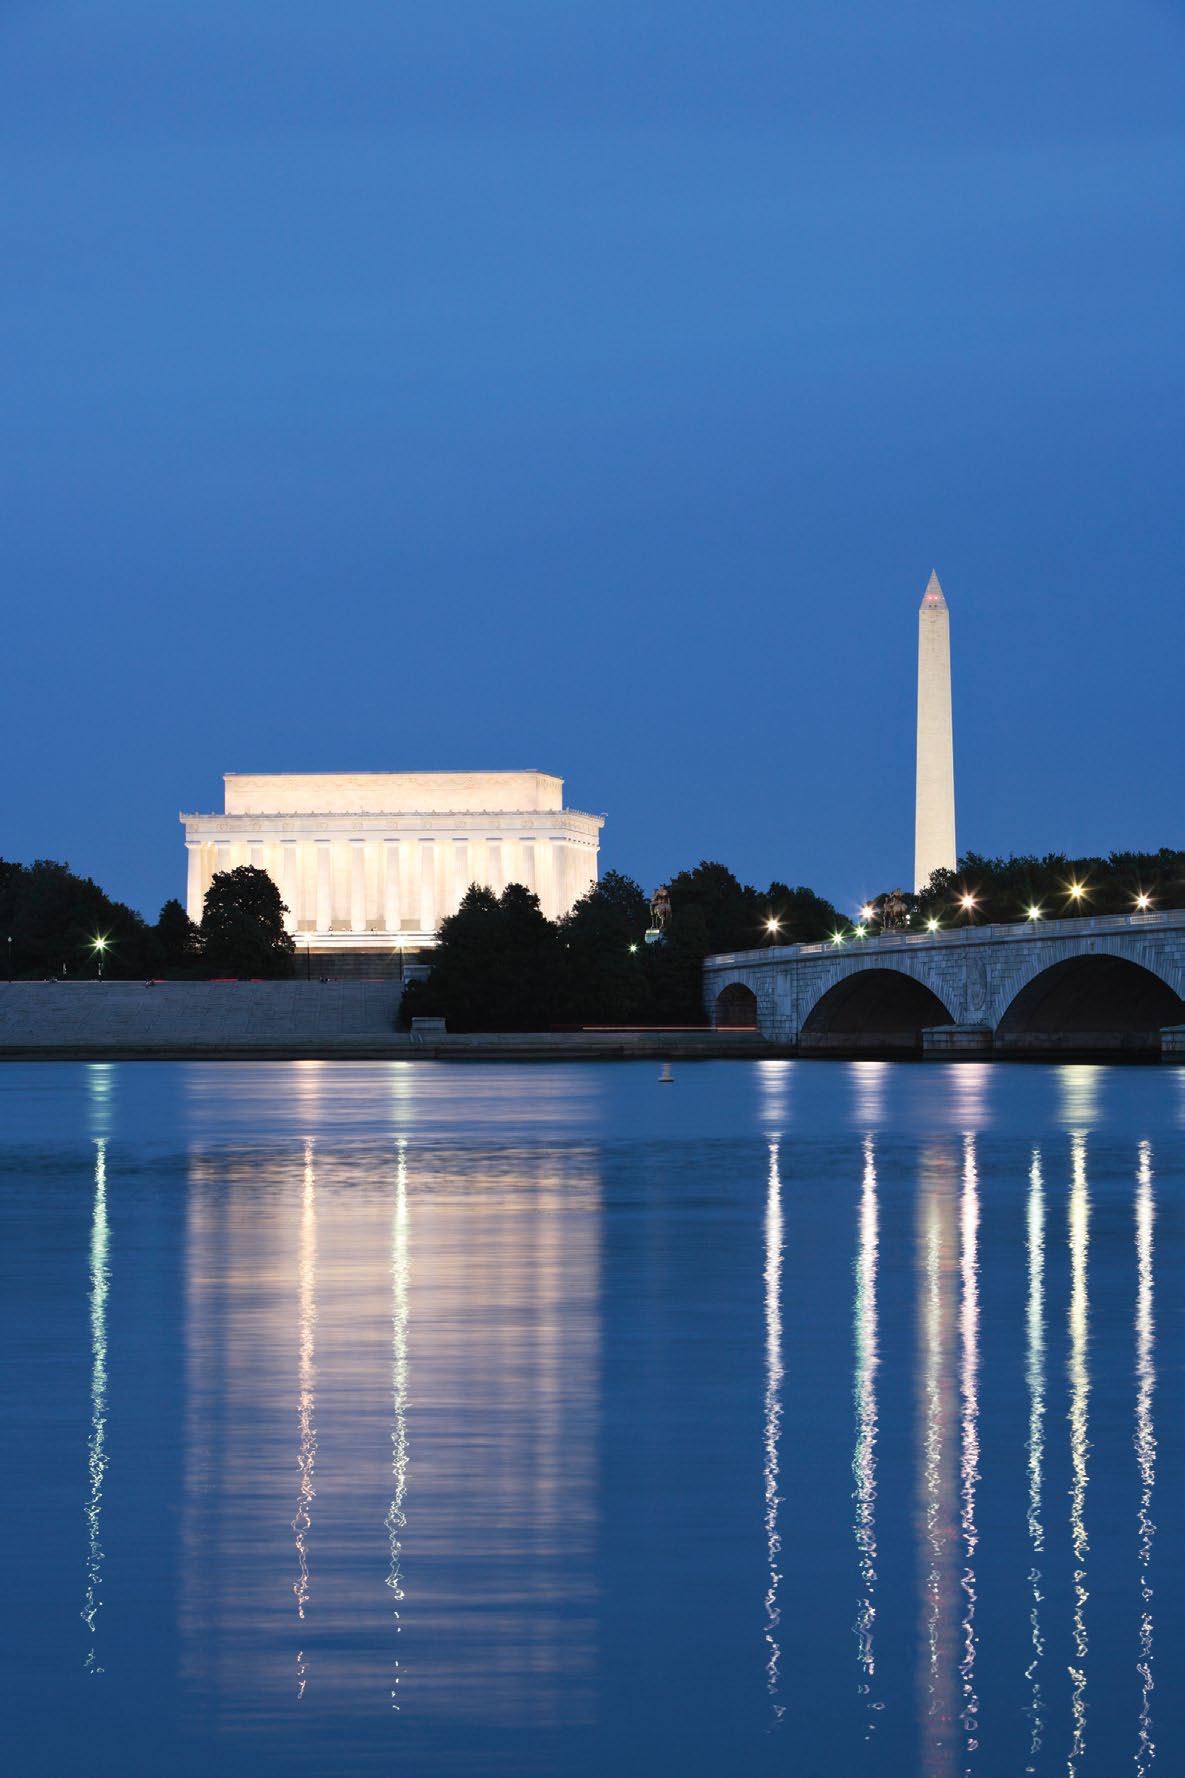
column 956, row 1040
column 1172, row 1043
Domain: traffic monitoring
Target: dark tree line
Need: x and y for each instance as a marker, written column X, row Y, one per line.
column 54, row 923
column 997, row 891
column 502, row 966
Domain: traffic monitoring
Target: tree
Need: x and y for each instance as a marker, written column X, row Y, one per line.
column 605, row 980
column 242, row 931
column 54, row 918
column 495, row 967
column 179, row 939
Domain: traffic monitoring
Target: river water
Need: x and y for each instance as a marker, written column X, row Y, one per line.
column 791, row 1417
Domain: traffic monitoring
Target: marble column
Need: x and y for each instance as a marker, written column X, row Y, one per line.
column 459, row 866
column 527, row 852
column 224, row 855
column 512, row 862
column 495, row 875
column 258, row 856
column 409, row 882
column 544, row 877
column 324, row 886
column 427, row 886
column 562, row 874
column 194, row 888
column 291, row 885
column 357, row 885
column 391, row 898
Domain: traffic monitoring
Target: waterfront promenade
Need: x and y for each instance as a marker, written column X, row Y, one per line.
column 243, row 1021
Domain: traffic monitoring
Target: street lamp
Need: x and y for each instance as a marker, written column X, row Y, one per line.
column 772, row 926
column 1034, row 913
column 99, row 945
column 931, row 924
column 1143, row 903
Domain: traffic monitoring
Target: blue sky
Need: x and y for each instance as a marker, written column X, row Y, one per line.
column 593, row 387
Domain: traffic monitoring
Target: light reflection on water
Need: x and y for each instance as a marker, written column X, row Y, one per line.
column 396, row 1512
column 424, row 1366
column 937, row 1423
column 864, row 1461
column 97, row 1459
column 969, row 1387
column 1035, row 1377
column 773, row 1423
column 1145, row 1442
column 1079, row 1374
column 306, row 1457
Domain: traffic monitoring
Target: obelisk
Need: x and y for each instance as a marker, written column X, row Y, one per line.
column 934, row 816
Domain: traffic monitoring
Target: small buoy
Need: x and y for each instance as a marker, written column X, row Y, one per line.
column 666, row 1078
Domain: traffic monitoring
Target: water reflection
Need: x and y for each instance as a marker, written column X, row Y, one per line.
column 396, row 1513
column 1081, row 1091
column 96, row 1457
column 870, row 1082
column 306, row 1401
column 864, row 1461
column 1145, row 1442
column 1079, row 1376
column 937, row 1281
column 1035, row 1379
column 969, row 1382
column 300, row 1265
column 774, row 1080
column 773, row 1421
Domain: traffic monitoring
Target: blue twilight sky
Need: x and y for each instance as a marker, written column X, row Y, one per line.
column 498, row 383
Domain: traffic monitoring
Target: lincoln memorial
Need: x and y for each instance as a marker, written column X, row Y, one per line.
column 374, row 861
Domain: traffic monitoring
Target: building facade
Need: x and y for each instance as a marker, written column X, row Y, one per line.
column 374, row 861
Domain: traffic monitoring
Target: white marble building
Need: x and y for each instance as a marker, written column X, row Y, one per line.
column 376, row 860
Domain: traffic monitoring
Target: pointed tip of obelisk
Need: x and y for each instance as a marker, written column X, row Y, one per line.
column 932, row 599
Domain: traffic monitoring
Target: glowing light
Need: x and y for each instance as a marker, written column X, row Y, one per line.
column 772, row 925
column 1077, row 890
column 633, row 948
column 773, row 1421
column 99, row 944
column 967, row 902
column 931, row 925
column 860, row 932
column 1143, row 901
column 1034, row 913
column 837, row 938
column 868, row 912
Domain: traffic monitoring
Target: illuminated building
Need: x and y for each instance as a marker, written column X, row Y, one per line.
column 374, row 861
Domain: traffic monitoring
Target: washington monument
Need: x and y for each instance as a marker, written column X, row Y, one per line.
column 934, row 819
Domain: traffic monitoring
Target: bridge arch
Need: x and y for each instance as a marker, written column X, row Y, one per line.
column 873, row 1010
column 735, row 1008
column 1094, row 1000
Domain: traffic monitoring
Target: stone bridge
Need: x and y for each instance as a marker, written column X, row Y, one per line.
column 1109, row 985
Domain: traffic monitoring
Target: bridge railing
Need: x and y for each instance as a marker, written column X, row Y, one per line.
column 1014, row 932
